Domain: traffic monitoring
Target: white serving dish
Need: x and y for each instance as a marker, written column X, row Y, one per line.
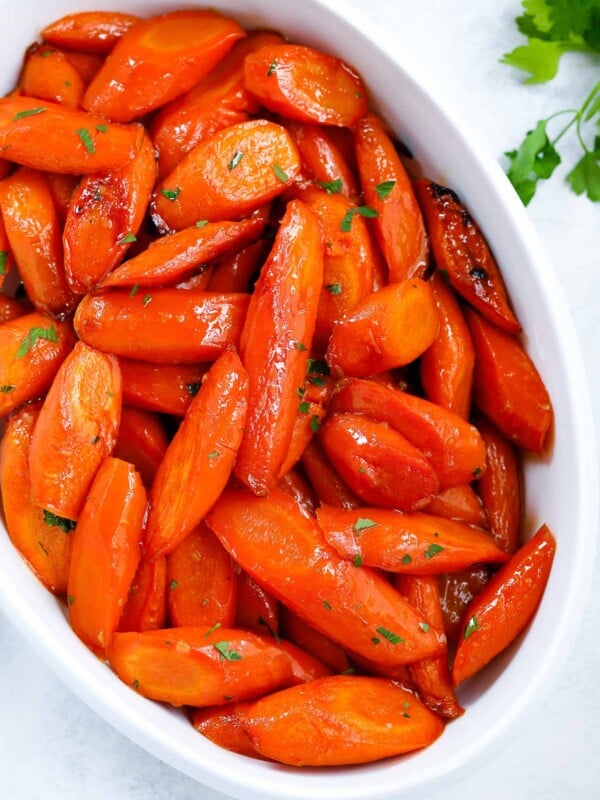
column 561, row 489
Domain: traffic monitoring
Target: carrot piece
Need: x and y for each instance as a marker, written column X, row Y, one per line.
column 49, row 75
column 417, row 544
column 33, row 230
column 32, row 348
column 313, row 641
column 86, row 64
column 142, row 442
column 44, row 541
column 196, row 667
column 202, row 453
column 236, row 272
column 507, row 387
column 399, row 224
column 133, row 79
column 306, row 85
column 62, row 188
column 7, row 261
column 215, row 102
column 168, row 388
column 322, row 160
column 12, row 309
column 172, row 258
column 106, row 553
column 168, row 326
column 307, row 423
column 430, row 676
column 146, row 606
column 327, row 483
column 77, row 428
column 500, row 488
column 447, row 366
column 457, row 590
column 388, row 329
column 228, row 175
column 5, row 167
column 222, row 726
column 505, row 606
column 339, row 720
column 278, row 546
column 105, row 214
column 201, row 582
column 256, row 610
column 305, row 667
column 90, row 31
column 50, row 137
column 453, row 447
column 370, row 457
column 460, row 249
column 296, row 486
column 460, row 503
column 275, row 342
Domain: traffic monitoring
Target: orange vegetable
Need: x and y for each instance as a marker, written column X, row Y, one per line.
column 202, row 453
column 274, row 345
column 91, row 31
column 146, row 606
column 460, row 249
column 305, row 667
column 227, row 176
column 460, row 503
column 235, row 273
column 278, row 546
column 308, row 421
column 12, row 309
column 505, row 606
column 313, row 641
column 49, row 75
column 507, row 387
column 222, row 726
column 168, row 326
column 168, row 388
column 106, row 553
column 327, row 483
column 76, row 429
column 296, row 486
column 142, row 442
column 43, row 541
column 7, row 261
column 86, row 64
column 257, row 609
column 457, row 590
column 306, row 85
column 339, row 720
column 201, row 582
column 133, row 79
column 62, row 188
column 388, row 329
column 388, row 190
column 196, row 667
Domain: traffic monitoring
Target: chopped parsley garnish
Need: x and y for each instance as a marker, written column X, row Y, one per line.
column 327, row 605
column 68, row 83
column 331, row 187
column 127, row 238
column 406, row 559
column 362, row 471
column 433, row 550
column 102, row 128
column 472, row 626
column 70, row 599
column 424, row 627
column 226, row 652
column 47, row 53
column 237, row 157
column 171, row 194
column 358, row 562
column 3, row 260
column 34, row 334
column 384, row 189
column 7, row 388
column 134, row 290
column 85, row 137
column 391, row 637
column 362, row 523
column 193, row 388
column 147, row 299
column 301, row 391
column 201, row 223
column 213, row 454
column 304, row 407
column 173, row 585
column 363, row 211
column 477, row 472
column 334, row 288
column 272, row 68
column 212, row 629
column 375, row 640
column 29, row 112
column 317, row 366
column 315, row 423
column 280, row 174
column 300, row 346
column 95, row 440
column 136, row 684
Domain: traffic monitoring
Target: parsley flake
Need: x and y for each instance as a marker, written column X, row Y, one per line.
column 272, row 68
column 193, row 388
column 280, row 174
column 477, row 472
column 327, row 605
column 201, row 223
column 134, row 290
column 136, row 683
column 433, row 550
column 34, row 334
column 29, row 112
column 226, row 652
column 300, row 346
column 213, row 454
column 171, row 194
column 70, row 599
column 424, row 627
column 406, row 559
column 363, row 211
column 301, row 391
column 315, row 423
column 85, row 137
column 358, row 562
column 472, row 626
column 334, row 288
column 212, row 629
column 173, row 585
column 127, row 238
column 237, row 157
column 304, row 407
column 147, row 299
column 102, row 128
column 390, row 636
column 317, row 366
column 362, row 523
column 7, row 388
column 383, row 189
column 3, row 260
column 331, row 187
column 54, row 521
column 375, row 640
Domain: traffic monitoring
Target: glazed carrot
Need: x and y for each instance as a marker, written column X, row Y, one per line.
column 201, row 582
column 12, row 309
column 62, row 187
column 222, row 726
column 505, row 606
column 339, row 720
column 388, row 190
column 197, row 667
column 296, row 486
column 460, row 249
column 457, row 590
column 215, row 102
column 507, row 387
column 50, row 137
column 275, row 342
column 202, row 453
column 370, row 456
column 42, row 539
column 430, row 676
column 166, row 326
column 327, row 483
column 452, row 446
column 256, row 609
column 49, row 75
column 168, row 388
column 146, row 606
column 322, row 161
column 172, row 258
column 86, row 64
column 33, row 230
column 305, row 667
column 235, row 273
column 106, row 553
column 313, row 641
column 272, row 540
column 142, row 442
column 7, row 261
column 5, row 167
column 388, row 329
column 77, row 428
column 32, row 348
column 227, row 176
column 447, row 366
column 500, row 488
column 91, row 31
column 104, row 216
column 133, row 79
column 308, row 421
column 416, row 544
column 460, row 503
column 304, row 84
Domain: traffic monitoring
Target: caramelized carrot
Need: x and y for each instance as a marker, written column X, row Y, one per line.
column 86, row 64
column 296, row 486
column 12, row 309
column 222, row 726
column 457, row 590
column 322, row 161
column 327, row 483
column 236, row 272
column 142, row 442
column 63, row 188
column 146, row 606
column 49, row 75
column 90, row 31
column 7, row 261
column 313, row 641
column 308, row 421
column 168, row 388
column 460, row 503
column 305, row 667
column 257, row 610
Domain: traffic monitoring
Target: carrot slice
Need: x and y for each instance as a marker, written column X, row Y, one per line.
column 168, row 388
column 91, row 31
column 63, row 188
column 12, row 309
column 307, row 423
column 77, row 428
column 305, row 667
column 133, row 79
column 49, row 75
column 296, row 486
column 460, row 503
column 202, row 453
column 142, row 442
column 222, row 726
column 457, row 590
column 235, row 273
column 43, row 539
column 306, row 85
column 106, row 553
column 339, row 720
column 168, row 326
column 257, row 610
column 86, row 64
column 313, row 641
column 146, row 606
column 327, row 483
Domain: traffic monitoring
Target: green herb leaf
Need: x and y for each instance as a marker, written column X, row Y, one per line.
column 3, row 260
column 535, row 159
column 317, row 382
column 34, row 334
column 424, row 627
column 127, row 238
column 315, row 424
column 585, row 176
column 327, row 605
column 538, row 58
column 358, row 562
column 317, row 366
column 376, row 640
column 213, row 454
column 136, row 683
column 477, row 472
column 171, row 194
column 406, row 559
column 134, row 290
column 334, row 288
column 300, row 346
column 301, row 391
column 70, row 599
column 7, row 388
column 201, row 223
column 272, row 68
column 390, row 636
column 280, row 174
column 472, row 626
column 147, row 299
column 85, row 137
column 237, row 157
column 29, row 112
column 212, row 629
column 304, row 407
column 331, row 187
column 173, row 585
column 363, row 211
column 362, row 523
column 54, row 521
column 226, row 652
column 433, row 550
column 193, row 388
column 384, row 189
column 102, row 128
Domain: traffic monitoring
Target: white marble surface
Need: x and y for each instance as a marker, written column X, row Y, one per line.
column 52, row 747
